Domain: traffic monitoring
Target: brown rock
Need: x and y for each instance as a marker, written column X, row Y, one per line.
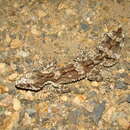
column 12, row 77
column 127, row 79
column 95, row 84
column 64, row 98
column 107, row 116
column 8, row 39
column 79, row 99
column 41, row 13
column 3, row 68
column 16, row 104
column 3, row 89
column 9, row 121
column 16, row 43
column 6, row 101
column 35, row 31
column 125, row 124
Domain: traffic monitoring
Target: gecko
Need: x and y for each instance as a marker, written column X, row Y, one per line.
column 82, row 68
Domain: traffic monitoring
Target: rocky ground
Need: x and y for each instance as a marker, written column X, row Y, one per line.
column 34, row 33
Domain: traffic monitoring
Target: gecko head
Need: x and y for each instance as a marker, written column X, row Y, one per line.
column 117, row 36
column 113, row 39
column 26, row 84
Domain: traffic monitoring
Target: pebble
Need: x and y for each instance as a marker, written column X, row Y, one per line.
column 97, row 112
column 123, row 99
column 22, row 53
column 27, row 119
column 127, row 79
column 90, row 106
column 70, row 12
column 107, row 116
column 3, row 89
column 77, row 90
column 121, row 75
column 79, row 99
column 121, row 70
column 84, row 26
column 13, row 76
column 41, row 13
column 16, row 43
column 120, row 85
column 128, row 66
column 16, row 104
column 125, row 124
column 64, row 98
column 116, row 115
column 28, row 95
column 75, row 115
column 6, row 101
column 128, row 98
column 10, row 121
column 2, row 110
column 92, row 94
column 31, row 112
column 35, row 31
column 3, row 68
column 8, row 39
column 95, row 84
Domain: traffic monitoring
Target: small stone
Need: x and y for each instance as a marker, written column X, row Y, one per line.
column 35, row 31
column 95, row 84
column 128, row 98
column 78, row 90
column 120, row 85
column 121, row 70
column 125, row 124
column 64, row 98
column 127, row 79
column 6, row 101
column 121, row 75
column 16, row 43
column 31, row 112
column 16, row 104
column 70, row 12
column 13, row 77
column 8, row 39
column 28, row 95
column 122, row 99
column 23, row 54
column 78, row 99
column 92, row 94
column 90, row 106
column 84, row 26
column 9, row 121
column 116, row 115
column 97, row 112
column 2, row 110
column 41, row 13
column 27, row 120
column 128, row 66
column 8, row 113
column 3, row 89
column 3, row 68
column 74, row 116
column 35, row 128
column 107, row 116
column 62, row 6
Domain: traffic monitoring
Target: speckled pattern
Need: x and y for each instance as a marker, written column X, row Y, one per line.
column 87, row 66
column 35, row 33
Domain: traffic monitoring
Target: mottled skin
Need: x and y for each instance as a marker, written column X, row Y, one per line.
column 107, row 50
